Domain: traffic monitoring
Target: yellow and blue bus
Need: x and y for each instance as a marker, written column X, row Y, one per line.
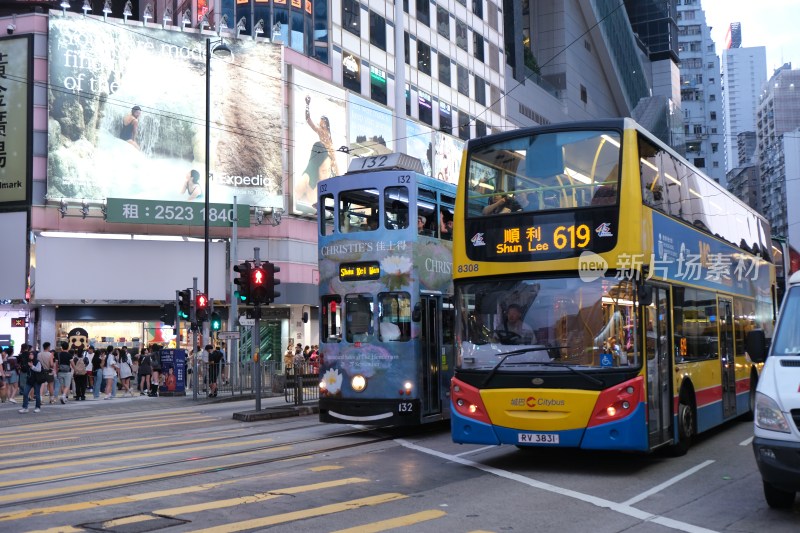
column 386, row 287
column 604, row 288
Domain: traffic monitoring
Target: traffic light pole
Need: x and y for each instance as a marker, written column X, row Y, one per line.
column 233, row 316
column 177, row 330
column 257, row 340
column 192, row 318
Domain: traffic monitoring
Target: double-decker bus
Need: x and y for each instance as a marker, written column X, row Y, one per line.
column 386, row 286
column 604, row 288
column 787, row 262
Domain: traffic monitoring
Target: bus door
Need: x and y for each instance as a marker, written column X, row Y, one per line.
column 657, row 356
column 430, row 343
column 725, row 325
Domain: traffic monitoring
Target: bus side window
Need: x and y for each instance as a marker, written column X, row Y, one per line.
column 358, row 313
column 395, row 200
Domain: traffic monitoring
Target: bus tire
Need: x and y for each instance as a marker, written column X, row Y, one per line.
column 686, row 428
column 777, row 498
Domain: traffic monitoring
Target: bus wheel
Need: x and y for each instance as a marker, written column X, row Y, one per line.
column 777, row 498
column 685, row 429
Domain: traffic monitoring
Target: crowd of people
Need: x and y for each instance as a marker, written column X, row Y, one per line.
column 69, row 373
column 307, row 358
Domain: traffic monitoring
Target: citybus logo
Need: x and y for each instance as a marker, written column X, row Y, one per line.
column 591, row 266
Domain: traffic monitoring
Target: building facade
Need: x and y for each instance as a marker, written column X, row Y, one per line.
column 701, row 95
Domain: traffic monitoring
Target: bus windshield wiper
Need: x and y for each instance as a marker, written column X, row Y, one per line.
column 506, row 355
column 576, row 371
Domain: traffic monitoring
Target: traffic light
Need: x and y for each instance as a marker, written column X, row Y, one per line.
column 201, row 310
column 262, row 283
column 168, row 314
column 272, row 281
column 216, row 321
column 185, row 303
column 258, row 280
column 243, row 281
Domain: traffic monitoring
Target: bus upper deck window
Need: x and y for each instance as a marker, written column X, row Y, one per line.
column 395, row 200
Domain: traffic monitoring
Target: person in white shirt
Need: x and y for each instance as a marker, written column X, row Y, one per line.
column 110, row 369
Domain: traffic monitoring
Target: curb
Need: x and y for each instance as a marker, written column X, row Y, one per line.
column 271, row 413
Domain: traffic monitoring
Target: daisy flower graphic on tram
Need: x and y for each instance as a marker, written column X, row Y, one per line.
column 398, row 271
column 331, row 382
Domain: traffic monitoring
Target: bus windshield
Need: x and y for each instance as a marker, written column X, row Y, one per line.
column 566, row 320
column 544, row 172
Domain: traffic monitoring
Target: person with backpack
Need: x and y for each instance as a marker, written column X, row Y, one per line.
column 97, row 370
column 145, row 369
column 10, row 369
column 80, row 362
column 64, row 376
column 30, row 365
column 214, row 362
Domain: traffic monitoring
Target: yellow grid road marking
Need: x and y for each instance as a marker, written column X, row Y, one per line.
column 392, row 523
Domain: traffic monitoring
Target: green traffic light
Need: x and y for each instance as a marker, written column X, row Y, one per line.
column 216, row 322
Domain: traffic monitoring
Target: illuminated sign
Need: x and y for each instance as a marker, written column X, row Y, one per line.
column 359, row 271
column 18, row 322
column 16, row 69
column 541, row 236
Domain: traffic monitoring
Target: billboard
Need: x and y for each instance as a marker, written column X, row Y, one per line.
column 127, row 108
column 371, row 128
column 447, row 152
column 319, row 129
column 16, row 63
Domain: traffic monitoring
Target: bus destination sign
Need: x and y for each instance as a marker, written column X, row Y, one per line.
column 513, row 238
column 359, row 271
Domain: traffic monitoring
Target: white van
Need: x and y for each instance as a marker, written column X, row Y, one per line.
column 777, row 414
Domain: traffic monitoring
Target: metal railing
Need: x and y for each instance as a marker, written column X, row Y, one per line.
column 301, row 383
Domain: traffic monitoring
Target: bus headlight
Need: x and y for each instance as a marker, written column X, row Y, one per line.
column 359, row 383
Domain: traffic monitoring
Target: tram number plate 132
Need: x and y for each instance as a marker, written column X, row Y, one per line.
column 405, row 408
column 539, row 438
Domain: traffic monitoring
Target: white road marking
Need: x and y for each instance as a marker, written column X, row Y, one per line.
column 667, row 483
column 627, row 510
column 462, row 454
column 746, row 442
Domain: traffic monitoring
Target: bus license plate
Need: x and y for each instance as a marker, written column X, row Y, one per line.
column 405, row 408
column 539, row 438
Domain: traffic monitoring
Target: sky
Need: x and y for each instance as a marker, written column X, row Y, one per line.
column 770, row 23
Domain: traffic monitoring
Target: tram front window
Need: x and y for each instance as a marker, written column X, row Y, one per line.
column 576, row 322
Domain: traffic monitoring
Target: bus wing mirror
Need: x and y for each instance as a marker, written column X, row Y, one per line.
column 416, row 314
column 305, row 317
column 756, row 345
column 645, row 294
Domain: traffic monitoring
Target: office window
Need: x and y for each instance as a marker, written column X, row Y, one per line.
column 462, row 34
column 351, row 72
column 445, row 118
column 477, row 8
column 443, row 22
column 463, row 80
column 480, row 90
column 408, row 101
column 425, row 108
column 477, row 44
column 713, row 115
column 351, row 16
column 463, row 125
column 423, row 57
column 699, row 162
column 377, row 30
column 714, row 148
column 377, row 84
column 480, row 128
column 444, row 69
column 407, row 46
column 424, row 12
column 584, row 95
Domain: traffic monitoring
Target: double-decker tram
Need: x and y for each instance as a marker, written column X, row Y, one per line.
column 604, row 288
column 385, row 281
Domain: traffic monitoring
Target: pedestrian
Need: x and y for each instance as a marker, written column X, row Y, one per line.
column 30, row 365
column 204, row 366
column 214, row 361
column 115, row 352
column 65, row 368
column 3, row 386
column 288, row 359
column 155, row 377
column 299, row 360
column 97, row 369
column 125, row 372
column 145, row 369
column 11, row 370
column 110, row 369
column 46, row 358
column 80, row 363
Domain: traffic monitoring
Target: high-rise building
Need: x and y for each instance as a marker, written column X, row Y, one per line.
column 701, row 92
column 744, row 70
column 777, row 123
column 733, row 38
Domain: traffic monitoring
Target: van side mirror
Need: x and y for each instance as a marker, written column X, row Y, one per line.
column 756, row 345
column 305, row 317
column 645, row 294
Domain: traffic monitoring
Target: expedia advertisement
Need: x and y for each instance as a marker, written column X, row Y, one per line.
column 127, row 108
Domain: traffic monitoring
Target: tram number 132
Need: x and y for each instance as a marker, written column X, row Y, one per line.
column 405, row 408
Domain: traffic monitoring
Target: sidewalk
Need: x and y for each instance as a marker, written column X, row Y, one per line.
column 242, row 407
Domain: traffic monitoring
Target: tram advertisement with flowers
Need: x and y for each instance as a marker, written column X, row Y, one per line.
column 385, row 284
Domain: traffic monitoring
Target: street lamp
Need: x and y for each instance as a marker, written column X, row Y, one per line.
column 219, row 48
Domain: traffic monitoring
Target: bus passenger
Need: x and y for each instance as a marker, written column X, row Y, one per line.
column 421, row 221
column 513, row 330
column 499, row 203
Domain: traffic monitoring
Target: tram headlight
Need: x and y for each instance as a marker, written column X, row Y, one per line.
column 407, row 386
column 359, row 383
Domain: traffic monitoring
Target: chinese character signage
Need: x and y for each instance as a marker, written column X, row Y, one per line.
column 131, row 211
column 127, row 107
column 15, row 95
